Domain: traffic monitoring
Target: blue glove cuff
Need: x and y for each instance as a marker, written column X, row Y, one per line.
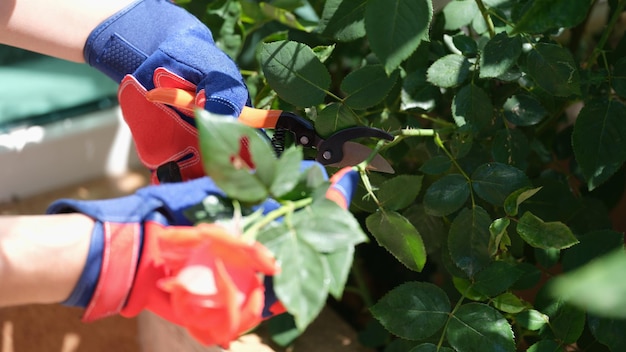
column 122, row 42
column 86, row 285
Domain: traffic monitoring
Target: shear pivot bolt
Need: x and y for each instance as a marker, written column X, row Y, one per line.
column 327, row 155
column 304, row 140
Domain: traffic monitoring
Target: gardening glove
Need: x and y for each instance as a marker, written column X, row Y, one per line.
column 145, row 254
column 155, row 43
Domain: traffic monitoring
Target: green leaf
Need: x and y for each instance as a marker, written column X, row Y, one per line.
column 553, row 68
column 545, row 346
column 466, row 45
column 334, row 117
column 397, row 235
column 499, row 235
column 399, row 192
column 468, row 240
column 432, row 228
column 323, row 52
column 524, row 110
column 213, row 208
column 547, row 258
column 609, row 332
column 465, row 287
column 327, row 227
column 286, row 172
column 343, row 19
column 308, row 181
column 595, row 287
column 511, row 146
column 395, row 28
column 302, row 284
column 567, row 321
column 339, row 264
column 599, row 140
column 509, row 303
column 459, row 13
column 283, row 330
column 400, row 345
column 513, row 200
column 532, row 320
column 540, row 234
column 294, row 71
column 618, row 77
column 413, row 310
column 436, row 165
column 499, row 55
column 429, row 347
column 449, row 71
column 367, row 86
column 544, row 15
column 281, row 15
column 496, row 278
column 493, row 182
column 417, row 92
column 530, row 278
column 478, row 327
column 472, row 106
column 592, row 245
column 447, row 195
column 224, row 144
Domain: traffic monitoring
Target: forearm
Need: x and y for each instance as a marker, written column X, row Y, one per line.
column 42, row 257
column 56, row 28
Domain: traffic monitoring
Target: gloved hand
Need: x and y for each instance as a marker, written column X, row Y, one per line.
column 146, row 255
column 155, row 43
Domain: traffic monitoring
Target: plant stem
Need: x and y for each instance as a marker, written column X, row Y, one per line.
column 368, row 185
column 417, row 132
column 485, row 13
column 440, row 144
column 445, row 326
column 606, row 33
column 285, row 209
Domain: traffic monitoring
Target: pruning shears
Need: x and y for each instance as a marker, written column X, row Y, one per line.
column 337, row 150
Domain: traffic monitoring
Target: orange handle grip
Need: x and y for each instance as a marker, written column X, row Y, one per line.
column 185, row 100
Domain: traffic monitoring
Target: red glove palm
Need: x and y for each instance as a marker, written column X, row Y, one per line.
column 155, row 43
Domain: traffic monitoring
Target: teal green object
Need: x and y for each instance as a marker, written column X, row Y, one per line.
column 33, row 85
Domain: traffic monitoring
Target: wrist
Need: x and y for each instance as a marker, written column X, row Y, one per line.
column 41, row 257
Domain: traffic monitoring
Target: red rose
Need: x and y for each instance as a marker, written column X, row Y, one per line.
column 213, row 280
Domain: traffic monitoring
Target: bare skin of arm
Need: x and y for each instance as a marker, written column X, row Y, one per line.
column 56, row 28
column 42, row 256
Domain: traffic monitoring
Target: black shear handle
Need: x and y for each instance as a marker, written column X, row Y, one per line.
column 330, row 151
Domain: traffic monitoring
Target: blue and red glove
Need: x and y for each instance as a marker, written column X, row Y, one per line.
column 145, row 254
column 155, row 43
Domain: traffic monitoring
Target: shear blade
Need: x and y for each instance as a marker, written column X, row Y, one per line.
column 354, row 153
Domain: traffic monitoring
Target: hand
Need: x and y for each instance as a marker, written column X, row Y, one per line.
column 155, row 43
column 202, row 277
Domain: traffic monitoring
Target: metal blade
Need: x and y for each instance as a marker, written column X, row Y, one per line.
column 354, row 153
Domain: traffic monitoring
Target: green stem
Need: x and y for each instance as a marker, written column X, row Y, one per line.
column 248, row 72
column 445, row 326
column 440, row 144
column 607, row 32
column 367, row 184
column 417, row 132
column 285, row 209
column 485, row 13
